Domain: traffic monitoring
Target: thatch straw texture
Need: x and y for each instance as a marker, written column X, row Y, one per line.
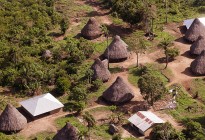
column 196, row 29
column 117, row 50
column 105, row 62
column 47, row 54
column 11, row 120
column 198, row 65
column 92, row 29
column 100, row 71
column 68, row 132
column 118, row 92
column 198, row 46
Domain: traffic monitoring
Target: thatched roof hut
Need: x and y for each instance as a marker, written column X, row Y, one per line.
column 47, row 54
column 117, row 50
column 196, row 29
column 92, row 29
column 68, row 132
column 198, row 46
column 118, row 92
column 100, row 71
column 11, row 120
column 105, row 62
column 198, row 65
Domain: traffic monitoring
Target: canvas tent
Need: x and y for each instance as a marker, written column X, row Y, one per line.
column 144, row 120
column 41, row 104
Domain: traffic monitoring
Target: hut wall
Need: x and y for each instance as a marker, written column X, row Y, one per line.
column 56, row 111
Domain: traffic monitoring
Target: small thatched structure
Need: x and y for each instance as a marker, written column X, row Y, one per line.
column 100, row 71
column 92, row 29
column 118, row 92
column 11, row 120
column 105, row 62
column 47, row 54
column 198, row 65
column 117, row 50
column 196, row 29
column 198, row 46
column 68, row 132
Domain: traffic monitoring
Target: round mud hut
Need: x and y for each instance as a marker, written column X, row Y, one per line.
column 198, row 65
column 119, row 92
column 198, row 46
column 196, row 29
column 100, row 71
column 92, row 29
column 68, row 132
column 117, row 50
column 11, row 120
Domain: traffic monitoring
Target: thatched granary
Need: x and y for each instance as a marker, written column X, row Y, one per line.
column 100, row 71
column 118, row 92
column 68, row 132
column 92, row 29
column 117, row 50
column 196, row 29
column 11, row 120
column 47, row 54
column 198, row 65
column 198, row 46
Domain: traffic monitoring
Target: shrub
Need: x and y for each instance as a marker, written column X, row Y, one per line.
column 63, row 84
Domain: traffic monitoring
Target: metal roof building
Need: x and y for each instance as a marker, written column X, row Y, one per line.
column 41, row 104
column 144, row 120
column 188, row 22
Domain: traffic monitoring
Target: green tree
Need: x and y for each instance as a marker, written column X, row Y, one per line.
column 194, row 131
column 63, row 84
column 165, row 132
column 138, row 45
column 165, row 44
column 106, row 34
column 63, row 25
column 89, row 119
column 152, row 88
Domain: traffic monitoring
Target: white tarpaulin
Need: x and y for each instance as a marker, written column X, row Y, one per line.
column 188, row 22
column 144, row 120
column 41, row 104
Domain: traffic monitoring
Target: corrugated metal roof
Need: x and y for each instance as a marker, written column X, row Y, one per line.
column 144, row 120
column 41, row 104
column 188, row 22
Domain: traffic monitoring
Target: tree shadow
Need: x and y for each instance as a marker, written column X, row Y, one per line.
column 183, row 41
column 119, row 30
column 163, row 60
column 200, row 120
column 96, row 13
column 54, row 34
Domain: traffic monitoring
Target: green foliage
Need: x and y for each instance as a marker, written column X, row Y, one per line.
column 89, row 119
column 194, row 131
column 116, row 137
column 9, row 137
column 172, row 52
column 63, row 84
column 165, row 131
column 64, row 25
column 97, row 84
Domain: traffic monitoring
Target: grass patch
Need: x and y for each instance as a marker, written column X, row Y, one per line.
column 60, row 122
column 100, row 132
column 198, row 86
column 95, row 95
column 4, row 100
column 154, row 69
column 10, row 137
column 42, row 136
column 184, row 101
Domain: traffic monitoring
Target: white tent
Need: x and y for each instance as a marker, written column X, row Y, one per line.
column 144, row 120
column 41, row 104
column 188, row 22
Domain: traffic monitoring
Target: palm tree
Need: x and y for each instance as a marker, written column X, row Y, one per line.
column 106, row 34
column 138, row 45
column 165, row 43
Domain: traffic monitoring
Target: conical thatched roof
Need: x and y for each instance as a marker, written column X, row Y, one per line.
column 12, row 120
column 92, row 29
column 196, row 29
column 198, row 46
column 118, row 92
column 117, row 50
column 105, row 62
column 47, row 54
column 68, row 132
column 100, row 71
column 198, row 65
